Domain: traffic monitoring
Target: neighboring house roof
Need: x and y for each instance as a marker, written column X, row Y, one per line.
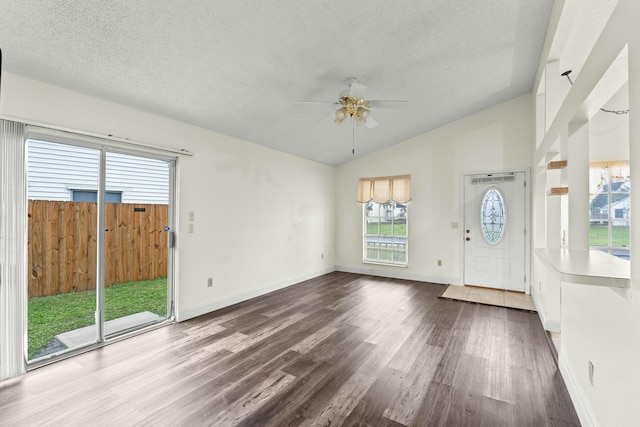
column 602, row 198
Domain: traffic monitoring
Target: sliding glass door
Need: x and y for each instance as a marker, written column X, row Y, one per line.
column 99, row 258
column 62, row 247
column 136, row 252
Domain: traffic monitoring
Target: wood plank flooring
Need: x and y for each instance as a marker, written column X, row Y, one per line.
column 340, row 349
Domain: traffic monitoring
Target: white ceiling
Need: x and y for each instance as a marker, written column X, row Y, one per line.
column 238, row 67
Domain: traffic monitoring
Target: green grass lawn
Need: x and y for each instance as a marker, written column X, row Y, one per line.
column 52, row 315
column 598, row 236
column 387, row 230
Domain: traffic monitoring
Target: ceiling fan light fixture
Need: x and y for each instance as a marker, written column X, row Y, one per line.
column 341, row 115
column 354, row 106
column 361, row 115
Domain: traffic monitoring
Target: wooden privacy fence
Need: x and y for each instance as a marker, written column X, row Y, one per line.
column 63, row 245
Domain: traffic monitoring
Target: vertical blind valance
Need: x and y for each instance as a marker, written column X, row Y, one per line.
column 385, row 188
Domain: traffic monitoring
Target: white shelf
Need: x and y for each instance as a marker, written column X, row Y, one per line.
column 557, row 191
column 587, row 267
column 558, row 164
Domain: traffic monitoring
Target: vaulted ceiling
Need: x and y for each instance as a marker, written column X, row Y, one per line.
column 239, row 67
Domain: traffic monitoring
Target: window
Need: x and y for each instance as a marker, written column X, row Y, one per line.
column 493, row 216
column 92, row 196
column 385, row 215
column 609, row 207
column 385, row 232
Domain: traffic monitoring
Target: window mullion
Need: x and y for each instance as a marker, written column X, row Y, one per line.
column 609, row 228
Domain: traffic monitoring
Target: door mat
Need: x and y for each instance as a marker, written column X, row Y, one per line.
column 495, row 297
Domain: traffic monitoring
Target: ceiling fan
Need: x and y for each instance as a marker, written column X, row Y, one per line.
column 353, row 104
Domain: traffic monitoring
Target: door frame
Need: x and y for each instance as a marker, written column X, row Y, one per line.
column 103, row 146
column 527, row 220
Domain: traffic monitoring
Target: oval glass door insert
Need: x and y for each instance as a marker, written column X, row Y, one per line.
column 493, row 216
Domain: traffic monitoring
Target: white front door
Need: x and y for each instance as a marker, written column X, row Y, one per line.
column 495, row 230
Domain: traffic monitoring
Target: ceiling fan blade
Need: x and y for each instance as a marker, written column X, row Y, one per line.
column 370, row 123
column 317, row 102
column 327, row 118
column 383, row 103
column 357, row 90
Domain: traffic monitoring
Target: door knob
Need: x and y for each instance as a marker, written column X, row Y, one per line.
column 468, row 238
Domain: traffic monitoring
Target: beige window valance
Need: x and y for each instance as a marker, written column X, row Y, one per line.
column 609, row 164
column 385, row 188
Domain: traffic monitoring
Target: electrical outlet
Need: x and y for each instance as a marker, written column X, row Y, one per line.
column 590, row 366
column 439, row 263
column 192, row 216
column 209, row 282
column 190, row 228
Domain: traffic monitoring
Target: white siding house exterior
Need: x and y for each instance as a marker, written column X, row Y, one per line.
column 55, row 171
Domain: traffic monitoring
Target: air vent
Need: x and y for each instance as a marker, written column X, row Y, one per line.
column 492, row 179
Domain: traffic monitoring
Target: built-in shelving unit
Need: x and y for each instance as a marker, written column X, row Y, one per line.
column 587, row 294
column 556, row 166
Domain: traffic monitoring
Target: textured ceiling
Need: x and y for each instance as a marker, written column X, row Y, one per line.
column 239, row 67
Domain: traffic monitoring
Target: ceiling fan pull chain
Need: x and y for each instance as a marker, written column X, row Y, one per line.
column 353, row 138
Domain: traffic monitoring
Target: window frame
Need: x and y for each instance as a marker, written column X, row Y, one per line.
column 503, row 217
column 611, row 213
column 365, row 235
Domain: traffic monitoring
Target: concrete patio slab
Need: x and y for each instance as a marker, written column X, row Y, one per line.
column 87, row 334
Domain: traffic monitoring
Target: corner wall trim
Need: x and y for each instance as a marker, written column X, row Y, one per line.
column 574, row 392
column 199, row 310
column 548, row 324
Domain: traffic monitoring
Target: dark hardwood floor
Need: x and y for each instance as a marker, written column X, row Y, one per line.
column 341, row 349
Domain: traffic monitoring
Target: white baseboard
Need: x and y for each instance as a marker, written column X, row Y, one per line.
column 574, row 392
column 198, row 310
column 399, row 273
column 548, row 324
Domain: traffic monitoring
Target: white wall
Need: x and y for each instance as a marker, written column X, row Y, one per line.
column 227, row 184
column 496, row 139
column 600, row 325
